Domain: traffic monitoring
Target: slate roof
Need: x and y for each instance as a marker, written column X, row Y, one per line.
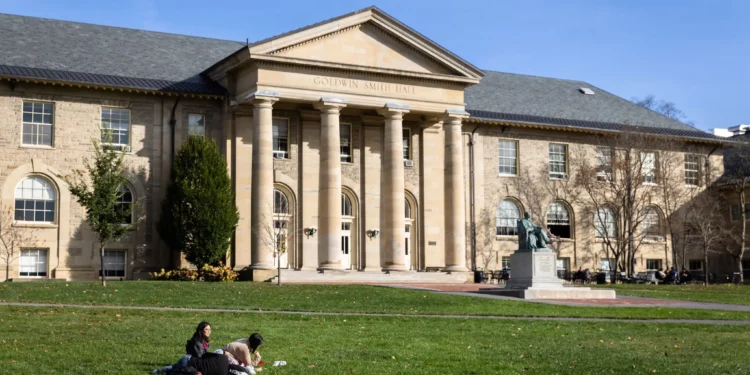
column 85, row 53
column 128, row 58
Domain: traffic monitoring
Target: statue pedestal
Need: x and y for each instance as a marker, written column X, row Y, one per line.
column 533, row 270
column 534, row 276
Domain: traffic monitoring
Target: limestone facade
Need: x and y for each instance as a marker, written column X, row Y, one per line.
column 350, row 139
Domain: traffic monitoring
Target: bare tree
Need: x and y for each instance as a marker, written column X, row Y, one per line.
column 664, row 108
column 13, row 238
column 705, row 227
column 276, row 231
column 737, row 179
column 619, row 187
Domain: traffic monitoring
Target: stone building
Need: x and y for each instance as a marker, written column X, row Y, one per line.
column 371, row 146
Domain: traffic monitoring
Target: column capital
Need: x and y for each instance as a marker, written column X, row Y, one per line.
column 330, row 105
column 394, row 110
column 262, row 97
column 455, row 115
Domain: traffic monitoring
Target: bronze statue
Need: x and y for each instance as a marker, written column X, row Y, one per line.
column 531, row 238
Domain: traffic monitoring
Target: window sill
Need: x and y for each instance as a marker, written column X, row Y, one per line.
column 282, row 159
column 348, row 163
column 692, row 186
column 37, row 147
column 506, row 238
column 29, row 224
column 507, row 175
column 566, row 240
column 649, row 240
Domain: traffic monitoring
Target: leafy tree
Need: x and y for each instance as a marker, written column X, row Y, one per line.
column 107, row 218
column 199, row 214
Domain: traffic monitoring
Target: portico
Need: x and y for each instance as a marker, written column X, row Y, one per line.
column 385, row 86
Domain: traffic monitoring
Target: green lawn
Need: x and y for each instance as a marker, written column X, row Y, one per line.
column 96, row 341
column 319, row 298
column 728, row 293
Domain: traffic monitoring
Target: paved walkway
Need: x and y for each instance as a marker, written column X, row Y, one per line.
column 511, row 318
column 621, row 301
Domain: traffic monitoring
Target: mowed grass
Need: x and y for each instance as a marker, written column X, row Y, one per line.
column 321, row 298
column 726, row 293
column 52, row 340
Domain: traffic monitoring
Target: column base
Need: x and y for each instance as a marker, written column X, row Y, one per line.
column 455, row 269
column 262, row 266
column 395, row 267
column 330, row 267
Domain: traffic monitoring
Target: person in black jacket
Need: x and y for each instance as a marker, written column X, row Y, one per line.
column 199, row 343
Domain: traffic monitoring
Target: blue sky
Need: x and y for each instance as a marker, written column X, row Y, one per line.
column 693, row 53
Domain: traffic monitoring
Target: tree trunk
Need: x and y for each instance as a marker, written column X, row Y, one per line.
column 278, row 268
column 744, row 229
column 101, row 257
column 7, row 269
column 705, row 265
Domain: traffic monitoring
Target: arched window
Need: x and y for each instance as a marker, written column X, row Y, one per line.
column 407, row 209
column 124, row 205
column 35, row 200
column 558, row 219
column 346, row 205
column 605, row 223
column 651, row 223
column 280, row 203
column 507, row 217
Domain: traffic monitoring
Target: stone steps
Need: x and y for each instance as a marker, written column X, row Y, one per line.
column 355, row 277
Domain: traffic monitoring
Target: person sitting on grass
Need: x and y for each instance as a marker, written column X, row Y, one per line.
column 199, row 344
column 243, row 350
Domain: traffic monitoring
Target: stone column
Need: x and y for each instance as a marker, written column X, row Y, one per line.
column 329, row 196
column 455, row 215
column 392, row 194
column 262, row 179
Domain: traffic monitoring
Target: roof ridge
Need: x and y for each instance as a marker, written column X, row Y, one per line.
column 536, row 76
column 120, row 27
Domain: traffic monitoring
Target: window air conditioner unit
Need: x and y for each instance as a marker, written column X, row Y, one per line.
column 408, row 163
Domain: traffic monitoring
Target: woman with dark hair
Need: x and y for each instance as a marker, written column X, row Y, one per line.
column 199, row 343
column 243, row 350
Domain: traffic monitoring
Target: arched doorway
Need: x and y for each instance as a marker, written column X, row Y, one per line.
column 280, row 228
column 347, row 225
column 410, row 232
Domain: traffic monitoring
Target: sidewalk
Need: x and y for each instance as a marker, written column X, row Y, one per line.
column 620, row 301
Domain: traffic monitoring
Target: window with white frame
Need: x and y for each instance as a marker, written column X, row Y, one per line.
column 508, row 157
column 33, row 263
column 605, row 223
column 558, row 160
column 653, row 264
column 607, row 264
column 406, row 142
column 506, row 221
column 692, row 170
column 280, row 203
column 197, row 124
column 648, row 167
column 695, row 265
column 37, row 124
column 124, row 205
column 346, row 205
column 116, row 125
column 345, row 133
column 35, row 200
column 558, row 220
column 651, row 224
column 114, row 263
column 604, row 163
column 280, row 129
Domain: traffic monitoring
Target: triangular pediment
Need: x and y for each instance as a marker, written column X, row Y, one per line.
column 370, row 39
column 366, row 45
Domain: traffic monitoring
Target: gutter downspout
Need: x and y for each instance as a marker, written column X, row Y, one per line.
column 471, row 201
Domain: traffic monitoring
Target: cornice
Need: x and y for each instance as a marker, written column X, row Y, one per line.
column 108, row 88
column 582, row 130
column 317, row 66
